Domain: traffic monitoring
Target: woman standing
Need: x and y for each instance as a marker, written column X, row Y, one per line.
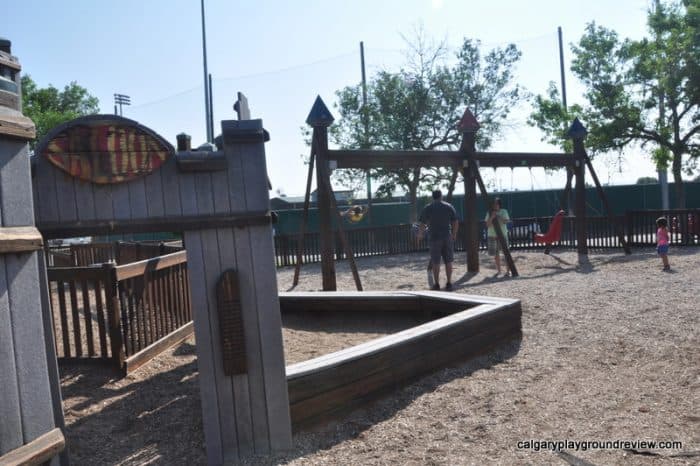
column 496, row 213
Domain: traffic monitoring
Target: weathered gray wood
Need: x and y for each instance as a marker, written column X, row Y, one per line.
column 251, row 328
column 137, row 198
column 120, row 201
column 104, row 210
column 11, row 425
column 65, row 193
column 15, row 188
column 30, row 355
column 204, row 193
column 171, row 188
column 85, row 199
column 154, row 194
column 241, row 392
column 264, row 281
column 205, row 356
column 19, row 239
column 38, row 451
column 45, row 187
column 188, row 193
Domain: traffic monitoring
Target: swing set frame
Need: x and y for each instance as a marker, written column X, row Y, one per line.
column 466, row 159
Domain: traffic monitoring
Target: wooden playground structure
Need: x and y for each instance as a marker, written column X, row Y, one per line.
column 466, row 159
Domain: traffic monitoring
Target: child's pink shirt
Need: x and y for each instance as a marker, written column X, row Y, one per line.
column 661, row 237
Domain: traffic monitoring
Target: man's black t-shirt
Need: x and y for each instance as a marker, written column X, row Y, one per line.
column 438, row 215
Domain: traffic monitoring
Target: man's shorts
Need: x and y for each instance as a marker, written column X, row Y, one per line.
column 442, row 249
column 494, row 247
column 662, row 249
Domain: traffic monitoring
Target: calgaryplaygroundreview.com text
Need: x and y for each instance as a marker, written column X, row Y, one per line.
column 583, row 445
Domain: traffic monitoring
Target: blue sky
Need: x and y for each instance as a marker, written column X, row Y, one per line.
column 281, row 54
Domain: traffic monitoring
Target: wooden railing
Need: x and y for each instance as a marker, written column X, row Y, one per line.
column 124, row 314
column 120, row 252
column 638, row 228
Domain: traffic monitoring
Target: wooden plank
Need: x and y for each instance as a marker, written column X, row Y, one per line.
column 85, row 199
column 154, row 349
column 120, row 201
column 63, row 310
column 154, row 194
column 38, row 451
column 171, row 188
column 205, row 351
column 192, row 222
column 402, row 370
column 30, row 352
column 15, row 185
column 87, row 313
column 139, row 268
column 19, row 239
column 10, row 413
column 137, row 198
column 240, row 383
column 65, row 192
column 77, row 339
column 104, row 208
column 45, row 186
column 100, row 309
column 66, row 274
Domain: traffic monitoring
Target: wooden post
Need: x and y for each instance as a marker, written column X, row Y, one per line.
column 319, row 119
column 30, row 397
column 304, row 217
column 577, row 132
column 116, row 342
column 469, row 127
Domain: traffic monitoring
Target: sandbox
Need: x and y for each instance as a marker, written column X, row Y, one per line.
column 452, row 328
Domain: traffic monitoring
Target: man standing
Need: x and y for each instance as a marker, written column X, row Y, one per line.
column 441, row 220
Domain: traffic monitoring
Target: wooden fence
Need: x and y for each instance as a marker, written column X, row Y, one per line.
column 638, row 227
column 125, row 314
column 120, row 252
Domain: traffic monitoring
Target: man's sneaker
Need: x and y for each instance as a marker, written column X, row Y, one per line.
column 436, row 287
column 448, row 286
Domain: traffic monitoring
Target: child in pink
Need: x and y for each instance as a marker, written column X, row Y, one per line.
column 662, row 241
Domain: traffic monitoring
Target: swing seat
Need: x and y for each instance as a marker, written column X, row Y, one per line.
column 554, row 232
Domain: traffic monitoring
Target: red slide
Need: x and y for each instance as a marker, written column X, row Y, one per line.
column 554, row 231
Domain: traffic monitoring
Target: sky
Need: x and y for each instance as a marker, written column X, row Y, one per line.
column 282, row 54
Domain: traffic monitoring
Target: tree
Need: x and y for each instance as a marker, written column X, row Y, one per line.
column 49, row 107
column 644, row 93
column 419, row 107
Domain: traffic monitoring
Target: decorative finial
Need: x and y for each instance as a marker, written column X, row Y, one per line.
column 468, row 123
column 319, row 116
column 577, row 130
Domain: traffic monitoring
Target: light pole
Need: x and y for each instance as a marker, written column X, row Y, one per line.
column 121, row 99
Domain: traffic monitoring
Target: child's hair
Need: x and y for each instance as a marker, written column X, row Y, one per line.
column 661, row 222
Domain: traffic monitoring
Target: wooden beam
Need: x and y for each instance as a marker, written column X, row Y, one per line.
column 324, row 193
column 154, row 349
column 304, row 216
column 139, row 268
column 157, row 224
column 19, row 239
column 366, row 159
column 38, row 451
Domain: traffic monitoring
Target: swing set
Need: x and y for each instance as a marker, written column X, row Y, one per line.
column 467, row 160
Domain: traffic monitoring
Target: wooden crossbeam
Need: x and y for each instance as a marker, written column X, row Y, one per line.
column 366, row 159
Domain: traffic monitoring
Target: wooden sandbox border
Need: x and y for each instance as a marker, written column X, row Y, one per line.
column 325, row 388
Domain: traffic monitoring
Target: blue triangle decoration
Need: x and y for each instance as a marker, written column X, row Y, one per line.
column 319, row 114
column 577, row 130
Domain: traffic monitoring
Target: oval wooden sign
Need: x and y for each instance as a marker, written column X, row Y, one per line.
column 105, row 149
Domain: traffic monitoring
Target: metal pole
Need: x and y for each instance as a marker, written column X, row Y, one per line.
column 206, row 74
column 561, row 67
column 211, row 110
column 366, row 125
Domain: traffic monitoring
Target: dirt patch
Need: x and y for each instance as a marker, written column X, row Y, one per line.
column 609, row 352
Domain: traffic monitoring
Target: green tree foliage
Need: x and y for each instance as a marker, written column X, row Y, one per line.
column 644, row 93
column 49, row 107
column 419, row 108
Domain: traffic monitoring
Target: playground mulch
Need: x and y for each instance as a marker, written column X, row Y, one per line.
column 609, row 352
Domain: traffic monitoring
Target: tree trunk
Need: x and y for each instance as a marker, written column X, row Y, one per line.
column 678, row 180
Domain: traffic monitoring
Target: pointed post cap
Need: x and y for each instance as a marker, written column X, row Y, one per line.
column 468, row 123
column 319, row 116
column 577, row 130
